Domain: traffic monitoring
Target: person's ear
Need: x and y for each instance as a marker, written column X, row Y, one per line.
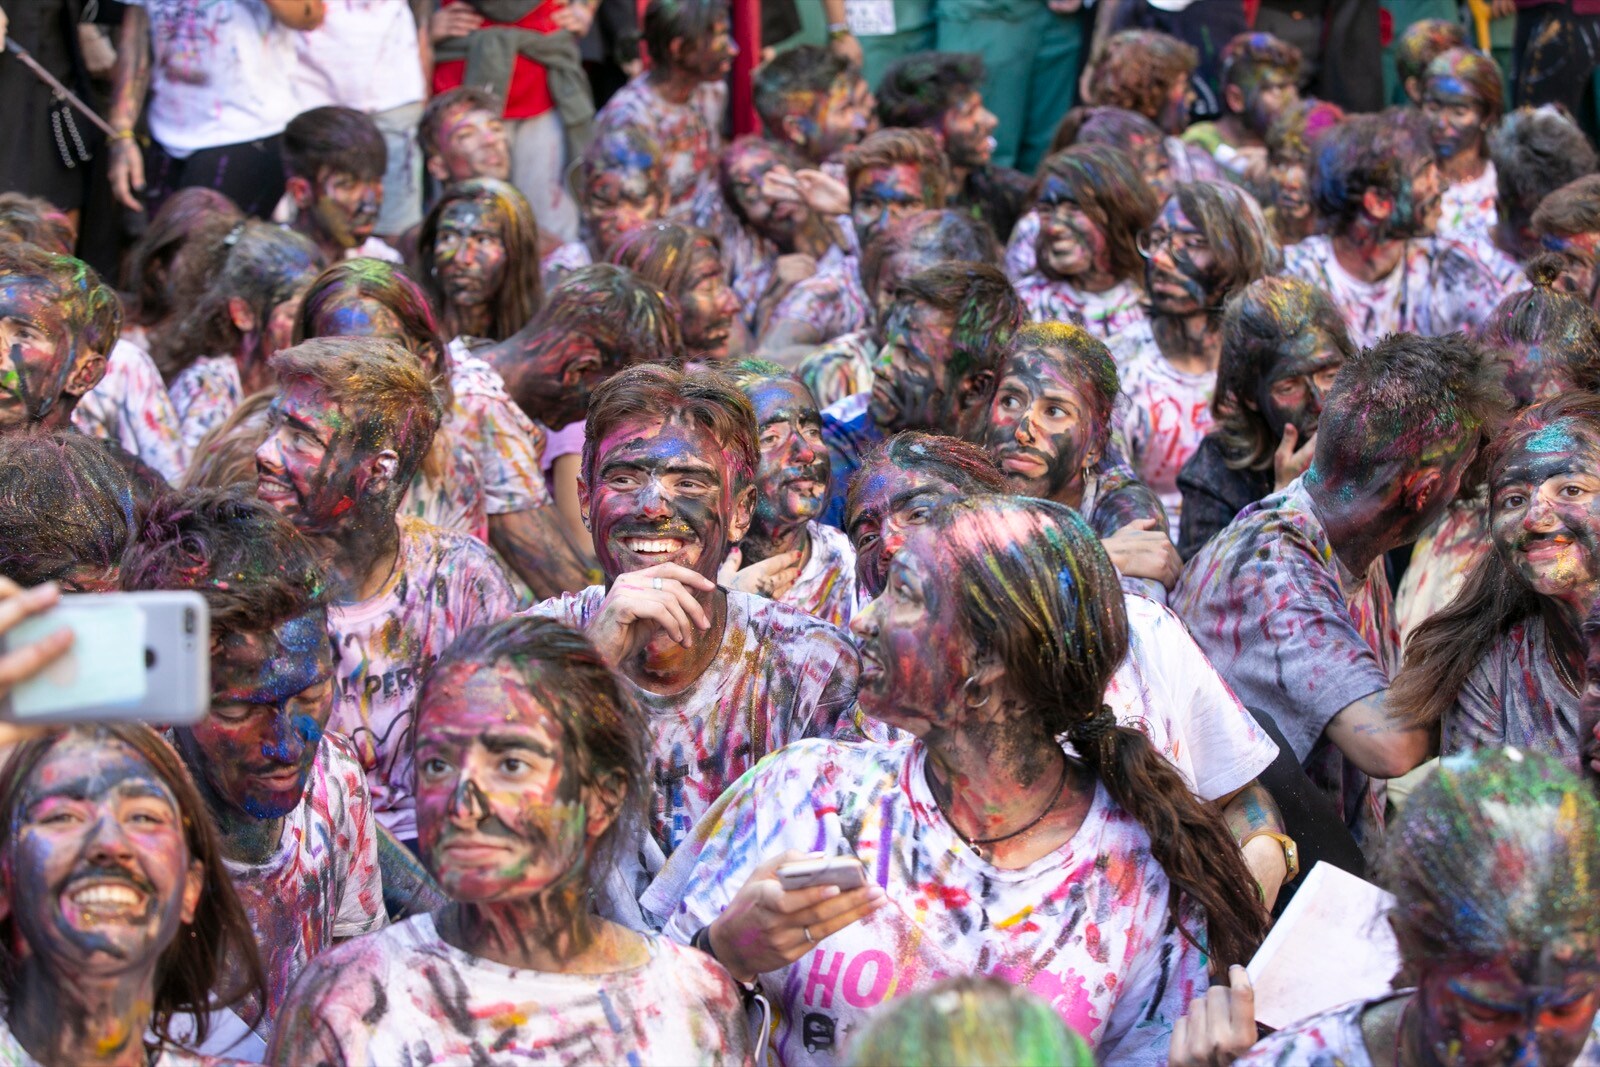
column 87, row 370
column 976, row 389
column 1422, row 488
column 194, row 882
column 301, row 191
column 577, row 369
column 980, row 691
column 1413, row 90
column 602, row 803
column 382, row 470
column 583, row 497
column 241, row 314
column 744, row 510
column 1233, row 98
column 435, row 166
column 1377, row 204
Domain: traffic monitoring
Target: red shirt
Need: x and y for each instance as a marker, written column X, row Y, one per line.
column 529, row 94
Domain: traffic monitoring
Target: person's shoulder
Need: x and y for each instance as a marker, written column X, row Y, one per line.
column 1329, row 1039
column 693, row 973
column 574, row 609
column 813, row 761
column 1276, row 532
column 786, row 630
column 337, row 765
column 350, row 968
column 834, row 543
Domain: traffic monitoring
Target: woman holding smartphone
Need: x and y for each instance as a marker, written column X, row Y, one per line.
column 1090, row 876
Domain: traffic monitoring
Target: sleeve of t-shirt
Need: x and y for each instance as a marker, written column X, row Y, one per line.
column 1204, row 514
column 1157, row 988
column 1478, row 717
column 485, row 593
column 705, row 871
column 1021, row 256
column 361, row 907
column 510, row 455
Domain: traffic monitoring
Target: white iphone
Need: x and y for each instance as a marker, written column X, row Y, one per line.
column 846, row 872
column 144, row 656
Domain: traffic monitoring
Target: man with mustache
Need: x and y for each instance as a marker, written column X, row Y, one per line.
column 335, row 158
column 347, row 431
column 1377, row 188
column 943, row 332
column 289, row 798
column 725, row 676
column 786, row 554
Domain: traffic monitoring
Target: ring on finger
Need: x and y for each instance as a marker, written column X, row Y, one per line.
column 809, row 939
column 655, row 583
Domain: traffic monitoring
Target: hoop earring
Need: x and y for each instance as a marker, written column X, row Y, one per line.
column 966, row 691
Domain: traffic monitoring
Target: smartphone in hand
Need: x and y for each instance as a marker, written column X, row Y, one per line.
column 846, row 872
column 144, row 656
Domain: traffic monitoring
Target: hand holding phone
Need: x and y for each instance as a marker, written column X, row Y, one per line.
column 27, row 660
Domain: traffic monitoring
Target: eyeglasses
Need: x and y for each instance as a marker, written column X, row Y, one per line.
column 1180, row 241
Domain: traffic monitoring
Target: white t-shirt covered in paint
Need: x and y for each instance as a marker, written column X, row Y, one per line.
column 131, row 406
column 1085, row 927
column 443, row 584
column 1163, row 416
column 508, row 444
column 203, row 395
column 406, row 996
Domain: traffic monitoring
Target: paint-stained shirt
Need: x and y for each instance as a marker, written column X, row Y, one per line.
column 1294, row 633
column 1108, row 315
column 1470, row 210
column 1162, row 417
column 12, row 1054
column 509, row 445
column 1438, row 286
column 443, row 583
column 690, row 135
column 1440, row 560
column 832, row 301
column 1085, row 927
column 569, row 257
column 1515, row 696
column 450, row 498
column 323, row 884
column 1331, row 1039
column 131, row 406
column 840, row 368
column 405, row 995
column 779, row 676
column 203, row 395
column 826, row 587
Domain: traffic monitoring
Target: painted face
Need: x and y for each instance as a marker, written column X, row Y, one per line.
column 914, row 650
column 1493, row 1013
column 1534, row 372
column 708, row 306
column 1578, row 275
column 473, row 145
column 1455, row 119
column 1290, row 192
column 664, row 492
column 841, row 118
column 271, row 696
column 308, row 468
column 37, row 353
column 1272, row 94
column 279, row 333
column 882, row 196
column 1042, row 427
column 792, row 482
column 1070, row 243
column 100, row 877
column 1174, row 115
column 353, row 315
column 968, row 130
column 891, row 504
column 1544, row 511
column 345, row 208
column 620, row 200
column 1292, row 390
column 776, row 220
column 499, row 815
column 469, row 254
column 1417, row 214
column 709, row 59
column 1154, row 163
column 896, row 269
column 560, row 379
column 911, row 389
column 1180, row 269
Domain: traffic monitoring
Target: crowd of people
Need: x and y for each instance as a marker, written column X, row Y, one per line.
column 1080, row 554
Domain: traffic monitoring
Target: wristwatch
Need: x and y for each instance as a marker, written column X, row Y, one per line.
column 1291, row 851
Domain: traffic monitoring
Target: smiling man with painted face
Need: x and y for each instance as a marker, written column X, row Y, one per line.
column 57, row 324
column 669, row 465
column 347, row 431
column 289, row 798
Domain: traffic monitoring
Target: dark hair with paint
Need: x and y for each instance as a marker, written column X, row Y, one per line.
column 251, row 260
column 663, row 254
column 701, row 398
column 917, row 90
column 986, row 309
column 965, row 467
column 255, row 570
column 604, row 735
column 1478, row 76
column 1257, row 322
column 1496, row 854
column 1038, row 594
column 386, row 284
column 65, row 504
column 1083, row 359
column 521, row 290
column 791, row 82
column 1535, row 151
column 934, row 237
column 749, row 373
column 145, row 274
column 333, row 140
column 1292, row 134
column 1106, row 186
column 894, row 147
column 1423, row 40
column 627, row 318
column 90, row 312
column 226, row 455
column 1564, row 329
column 34, row 220
column 1570, row 210
column 1444, row 649
column 1250, row 55
column 666, row 21
column 383, row 394
column 973, row 1020
column 213, row 962
column 1242, row 243
column 616, row 149
column 1115, row 126
column 1365, row 152
column 1137, row 69
column 446, row 104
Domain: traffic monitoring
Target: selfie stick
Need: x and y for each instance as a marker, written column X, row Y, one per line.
column 61, row 90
